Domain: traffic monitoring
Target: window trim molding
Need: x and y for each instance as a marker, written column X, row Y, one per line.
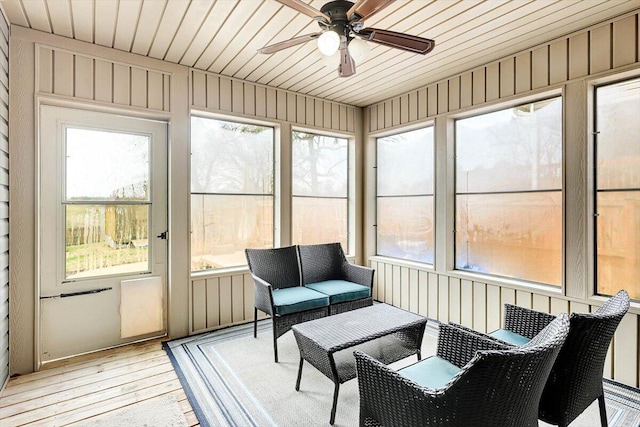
column 608, row 78
column 276, row 236
column 374, row 138
column 351, row 194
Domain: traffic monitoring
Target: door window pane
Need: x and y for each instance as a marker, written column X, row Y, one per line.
column 509, row 192
column 104, row 165
column 232, row 185
column 103, row 240
column 618, row 188
column 103, row 237
column 320, row 171
column 404, row 206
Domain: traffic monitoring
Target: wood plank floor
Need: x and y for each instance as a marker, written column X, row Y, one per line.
column 87, row 386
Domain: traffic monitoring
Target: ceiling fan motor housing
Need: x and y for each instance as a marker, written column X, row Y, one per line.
column 337, row 11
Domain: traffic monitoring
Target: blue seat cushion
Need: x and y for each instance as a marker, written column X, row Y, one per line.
column 433, row 372
column 510, row 337
column 341, row 290
column 297, row 299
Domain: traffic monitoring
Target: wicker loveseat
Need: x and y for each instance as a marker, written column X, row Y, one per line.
column 295, row 284
column 471, row 381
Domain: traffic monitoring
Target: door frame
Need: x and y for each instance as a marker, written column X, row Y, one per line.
column 46, row 101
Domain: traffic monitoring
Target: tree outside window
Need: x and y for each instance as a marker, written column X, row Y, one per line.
column 232, row 184
column 320, row 173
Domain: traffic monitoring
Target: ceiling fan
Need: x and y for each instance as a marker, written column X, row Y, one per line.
column 341, row 22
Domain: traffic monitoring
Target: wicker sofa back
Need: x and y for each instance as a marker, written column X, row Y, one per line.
column 295, row 284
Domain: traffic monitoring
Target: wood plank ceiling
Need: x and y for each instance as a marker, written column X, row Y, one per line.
column 222, row 36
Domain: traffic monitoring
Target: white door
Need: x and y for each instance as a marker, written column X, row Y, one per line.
column 103, row 223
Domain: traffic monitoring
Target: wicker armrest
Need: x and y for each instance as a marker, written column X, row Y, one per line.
column 482, row 334
column 384, row 395
column 263, row 299
column 358, row 274
column 524, row 321
column 459, row 346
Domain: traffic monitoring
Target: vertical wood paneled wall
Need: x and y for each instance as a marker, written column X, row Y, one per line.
column 4, row 200
column 222, row 300
column 596, row 51
column 608, row 46
column 236, row 97
column 70, row 74
column 480, row 306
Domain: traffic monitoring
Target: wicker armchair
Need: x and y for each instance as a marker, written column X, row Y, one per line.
column 325, row 269
column 576, row 379
column 278, row 291
column 472, row 381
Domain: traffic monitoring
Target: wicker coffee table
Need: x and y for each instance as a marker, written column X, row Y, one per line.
column 385, row 332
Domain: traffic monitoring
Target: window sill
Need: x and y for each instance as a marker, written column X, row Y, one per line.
column 403, row 263
column 220, row 272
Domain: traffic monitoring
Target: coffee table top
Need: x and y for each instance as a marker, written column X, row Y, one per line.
column 340, row 331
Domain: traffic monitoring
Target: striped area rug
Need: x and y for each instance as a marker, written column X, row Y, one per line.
column 231, row 380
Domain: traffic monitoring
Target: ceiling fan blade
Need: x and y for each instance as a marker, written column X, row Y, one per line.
column 401, row 41
column 288, row 43
column 303, row 7
column 363, row 9
column 347, row 65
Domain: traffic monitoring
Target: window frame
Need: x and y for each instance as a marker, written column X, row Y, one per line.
column 593, row 214
column 275, row 128
column 451, row 243
column 423, row 125
column 350, row 198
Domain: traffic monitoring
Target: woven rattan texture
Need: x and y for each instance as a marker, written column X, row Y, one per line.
column 283, row 268
column 282, row 324
column 576, row 379
column 278, row 267
column 496, row 388
column 459, row 346
column 522, row 321
column 321, row 262
column 319, row 341
column 346, row 330
column 343, row 307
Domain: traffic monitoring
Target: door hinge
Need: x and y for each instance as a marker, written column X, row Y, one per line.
column 163, row 235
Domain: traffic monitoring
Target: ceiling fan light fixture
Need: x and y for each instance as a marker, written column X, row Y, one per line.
column 328, row 43
column 360, row 50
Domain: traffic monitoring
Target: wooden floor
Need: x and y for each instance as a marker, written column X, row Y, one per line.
column 87, row 386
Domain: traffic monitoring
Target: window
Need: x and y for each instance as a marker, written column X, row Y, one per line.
column 232, row 182
column 509, row 192
column 320, row 189
column 404, row 203
column 618, row 188
column 107, row 202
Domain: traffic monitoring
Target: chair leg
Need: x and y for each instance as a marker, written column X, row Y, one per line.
column 255, row 322
column 275, row 343
column 603, row 411
column 299, row 374
column 335, row 403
